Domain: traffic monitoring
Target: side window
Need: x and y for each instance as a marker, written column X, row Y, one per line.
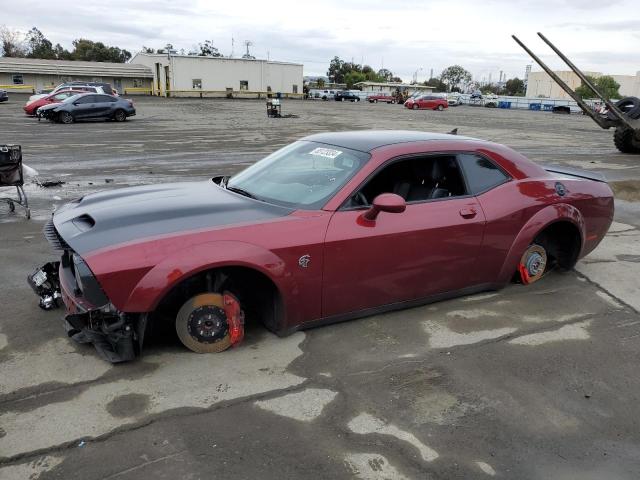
column 104, row 99
column 417, row 179
column 481, row 173
column 86, row 99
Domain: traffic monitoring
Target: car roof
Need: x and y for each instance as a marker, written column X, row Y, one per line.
column 367, row 140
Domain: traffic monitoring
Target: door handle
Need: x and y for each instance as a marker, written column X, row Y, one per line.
column 468, row 212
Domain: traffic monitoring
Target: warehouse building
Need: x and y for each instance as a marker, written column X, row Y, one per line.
column 188, row 75
column 32, row 74
column 540, row 84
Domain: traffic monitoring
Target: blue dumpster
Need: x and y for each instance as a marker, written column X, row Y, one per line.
column 503, row 104
column 534, row 106
column 547, row 107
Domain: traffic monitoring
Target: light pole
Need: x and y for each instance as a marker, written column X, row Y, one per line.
column 415, row 75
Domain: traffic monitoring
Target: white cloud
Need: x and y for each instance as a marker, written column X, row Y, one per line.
column 404, row 35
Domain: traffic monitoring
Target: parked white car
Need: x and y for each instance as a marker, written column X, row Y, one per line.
column 75, row 86
column 454, row 100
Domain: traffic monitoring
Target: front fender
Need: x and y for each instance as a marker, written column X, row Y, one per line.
column 158, row 281
column 541, row 220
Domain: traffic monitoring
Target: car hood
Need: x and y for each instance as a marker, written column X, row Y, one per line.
column 123, row 215
column 49, row 106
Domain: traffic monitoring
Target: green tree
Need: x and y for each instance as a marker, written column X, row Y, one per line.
column 454, row 76
column 385, row 75
column 11, row 43
column 353, row 77
column 320, row 83
column 436, row 83
column 514, row 87
column 605, row 84
column 38, row 46
column 208, row 50
column 62, row 53
column 336, row 70
column 90, row 51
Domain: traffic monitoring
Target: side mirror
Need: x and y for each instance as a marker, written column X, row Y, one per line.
column 385, row 202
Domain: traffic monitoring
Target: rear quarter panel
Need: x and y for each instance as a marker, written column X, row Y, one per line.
column 520, row 209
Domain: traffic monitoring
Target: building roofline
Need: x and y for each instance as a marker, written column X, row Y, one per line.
column 236, row 59
column 72, row 67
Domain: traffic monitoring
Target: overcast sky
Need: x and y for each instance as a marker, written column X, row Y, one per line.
column 402, row 35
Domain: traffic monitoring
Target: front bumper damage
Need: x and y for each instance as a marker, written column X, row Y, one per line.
column 116, row 336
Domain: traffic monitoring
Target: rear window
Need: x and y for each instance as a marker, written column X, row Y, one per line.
column 481, row 173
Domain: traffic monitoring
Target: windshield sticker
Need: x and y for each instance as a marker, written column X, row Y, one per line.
column 325, row 152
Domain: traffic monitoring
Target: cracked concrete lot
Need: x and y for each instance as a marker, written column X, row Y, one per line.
column 533, row 382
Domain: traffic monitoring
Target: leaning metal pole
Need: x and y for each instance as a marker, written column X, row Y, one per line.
column 612, row 108
column 581, row 103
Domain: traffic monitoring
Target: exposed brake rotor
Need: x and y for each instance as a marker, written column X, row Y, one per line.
column 532, row 264
column 210, row 322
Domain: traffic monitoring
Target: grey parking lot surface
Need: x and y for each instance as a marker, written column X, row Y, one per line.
column 532, row 382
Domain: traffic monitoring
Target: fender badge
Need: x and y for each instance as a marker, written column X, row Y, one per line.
column 561, row 189
column 304, row 260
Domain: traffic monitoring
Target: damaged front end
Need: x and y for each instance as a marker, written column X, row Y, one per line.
column 90, row 316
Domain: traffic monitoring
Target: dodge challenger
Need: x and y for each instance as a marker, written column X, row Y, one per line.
column 332, row 227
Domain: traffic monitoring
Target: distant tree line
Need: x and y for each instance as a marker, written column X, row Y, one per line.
column 34, row 44
column 605, row 84
column 351, row 73
column 452, row 79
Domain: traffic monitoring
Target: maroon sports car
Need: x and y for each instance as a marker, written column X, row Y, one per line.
column 332, row 227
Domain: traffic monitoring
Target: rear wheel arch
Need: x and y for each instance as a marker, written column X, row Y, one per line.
column 540, row 227
column 562, row 241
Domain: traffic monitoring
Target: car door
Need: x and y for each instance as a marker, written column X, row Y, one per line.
column 428, row 249
column 83, row 107
column 103, row 106
column 429, row 102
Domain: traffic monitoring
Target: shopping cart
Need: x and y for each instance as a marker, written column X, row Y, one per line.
column 11, row 175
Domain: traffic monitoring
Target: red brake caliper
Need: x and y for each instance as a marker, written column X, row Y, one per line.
column 235, row 318
column 524, row 274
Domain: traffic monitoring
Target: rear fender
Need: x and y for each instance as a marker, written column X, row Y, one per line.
column 541, row 220
column 158, row 281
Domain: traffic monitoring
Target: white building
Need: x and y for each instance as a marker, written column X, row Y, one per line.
column 540, row 84
column 34, row 74
column 188, row 75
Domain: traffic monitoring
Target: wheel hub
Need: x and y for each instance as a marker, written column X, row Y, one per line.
column 208, row 324
column 533, row 264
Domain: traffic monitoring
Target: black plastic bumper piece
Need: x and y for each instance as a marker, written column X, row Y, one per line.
column 114, row 341
column 46, row 284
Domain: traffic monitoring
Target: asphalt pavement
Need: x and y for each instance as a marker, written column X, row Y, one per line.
column 531, row 382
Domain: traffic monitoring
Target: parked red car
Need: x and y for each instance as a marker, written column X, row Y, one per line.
column 330, row 228
column 32, row 106
column 430, row 102
column 381, row 98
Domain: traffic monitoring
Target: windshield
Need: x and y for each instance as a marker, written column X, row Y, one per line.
column 301, row 175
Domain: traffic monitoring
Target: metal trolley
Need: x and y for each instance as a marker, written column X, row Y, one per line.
column 11, row 175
